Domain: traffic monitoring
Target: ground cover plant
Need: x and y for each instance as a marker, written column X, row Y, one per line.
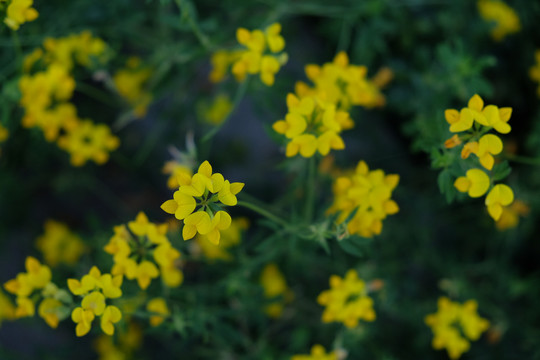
column 269, row 179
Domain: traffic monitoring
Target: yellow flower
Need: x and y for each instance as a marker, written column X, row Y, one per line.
column 261, row 54
column 454, row 324
column 19, row 12
column 343, row 84
column 534, row 71
column 25, row 307
column 229, row 237
column 150, row 240
column 49, row 309
column 317, row 353
column 158, row 306
column 488, row 146
column 88, row 282
column 275, row 290
column 95, row 302
column 510, row 215
column 201, row 190
column 83, row 318
column 7, row 310
column 130, row 82
column 346, row 301
column 217, row 111
column 89, row 141
column 59, row 245
column 501, row 195
column 312, row 125
column 369, row 194
column 111, row 315
column 505, row 18
column 175, row 169
column 4, row 133
column 475, row 183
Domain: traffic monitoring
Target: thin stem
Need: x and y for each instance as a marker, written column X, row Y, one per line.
column 267, row 214
column 184, row 12
column 523, row 159
column 310, row 190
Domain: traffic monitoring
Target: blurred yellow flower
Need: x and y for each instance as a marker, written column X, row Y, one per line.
column 275, row 290
column 130, row 82
column 317, row 353
column 19, row 12
column 503, row 16
column 346, row 301
column 160, row 311
column 454, row 324
column 59, row 245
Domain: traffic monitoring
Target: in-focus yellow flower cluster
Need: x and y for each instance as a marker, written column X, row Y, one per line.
column 46, row 94
column 95, row 288
column 317, row 353
column 534, row 71
column 24, row 286
column 199, row 200
column 503, row 16
column 133, row 251
column 130, row 82
column 229, row 237
column 311, row 126
column 476, row 120
column 346, row 301
column 18, row 12
column 369, row 194
column 59, row 245
column 261, row 54
column 275, row 290
column 454, row 325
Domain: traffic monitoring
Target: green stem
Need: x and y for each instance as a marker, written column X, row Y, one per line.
column 184, row 12
column 267, row 214
column 523, row 159
column 310, row 190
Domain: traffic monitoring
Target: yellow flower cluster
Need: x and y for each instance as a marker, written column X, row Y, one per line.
column 199, row 200
column 19, row 12
column 59, row 245
column 368, row 193
column 46, row 97
column 317, row 353
column 312, row 125
column 262, row 54
column 133, row 250
column 275, row 290
column 454, row 324
column 476, row 120
column 130, row 82
column 343, row 84
column 534, row 71
column 503, row 16
column 346, row 301
column 229, row 237
column 95, row 288
column 37, row 277
column 158, row 307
